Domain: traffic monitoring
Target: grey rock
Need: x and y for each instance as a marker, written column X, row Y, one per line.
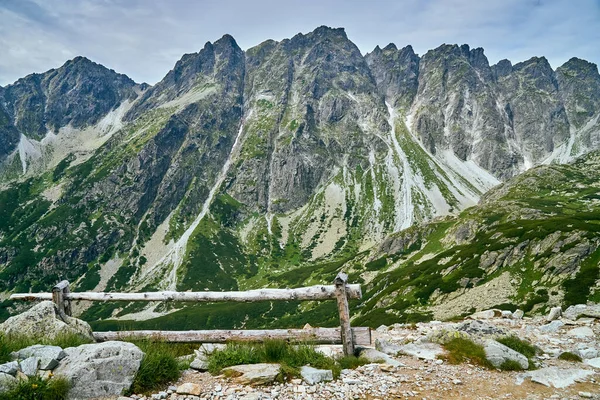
column 553, row 326
column 576, row 311
column 30, row 366
column 199, row 364
column 314, row 375
column 581, row 332
column 376, row 356
column 253, row 374
column 554, row 376
column 42, row 321
column 593, row 362
column 10, row 368
column 486, row 314
column 518, row 314
column 7, row 382
column 425, row 351
column 554, row 314
column 49, row 355
column 387, row 347
column 101, row 369
column 497, row 353
column 481, row 329
column 587, row 352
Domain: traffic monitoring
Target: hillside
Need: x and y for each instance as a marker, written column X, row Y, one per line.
column 278, row 165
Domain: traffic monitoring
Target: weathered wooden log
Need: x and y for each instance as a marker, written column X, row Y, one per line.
column 319, row 292
column 362, row 336
column 340, row 282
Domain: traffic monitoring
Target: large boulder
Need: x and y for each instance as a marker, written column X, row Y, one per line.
column 42, row 321
column 582, row 310
column 101, row 369
column 7, row 382
column 497, row 354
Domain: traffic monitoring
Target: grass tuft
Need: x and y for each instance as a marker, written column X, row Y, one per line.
column 510, row 365
column 519, row 345
column 462, row 350
column 568, row 356
column 159, row 365
column 290, row 357
column 36, row 388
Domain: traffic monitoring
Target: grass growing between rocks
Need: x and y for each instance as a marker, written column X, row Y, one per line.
column 568, row 356
column 160, row 364
column 290, row 357
column 520, row 346
column 11, row 343
column 36, row 388
column 460, row 350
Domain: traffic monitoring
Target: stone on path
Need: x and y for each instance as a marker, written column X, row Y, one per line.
column 554, row 376
column 581, row 332
column 313, row 375
column 486, row 314
column 554, row 314
column 42, row 321
column 189, row 388
column 593, row 362
column 101, row 369
column 376, row 356
column 574, row 312
column 253, row 374
column 552, row 327
column 497, row 354
column 424, row 351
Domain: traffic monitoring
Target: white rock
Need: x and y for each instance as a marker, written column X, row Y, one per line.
column 424, row 351
column 376, row 356
column 593, row 362
column 101, row 369
column 30, row 365
column 313, row 375
column 497, row 354
column 189, row 388
column 49, row 355
column 10, row 368
column 554, row 314
column 555, row 377
column 253, row 374
column 581, row 332
column 518, row 314
column 587, row 352
column 486, row 314
column 553, row 326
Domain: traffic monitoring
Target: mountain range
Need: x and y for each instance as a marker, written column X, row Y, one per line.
column 426, row 177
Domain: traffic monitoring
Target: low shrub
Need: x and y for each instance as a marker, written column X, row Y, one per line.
column 36, row 388
column 160, row 364
column 568, row 356
column 462, row 350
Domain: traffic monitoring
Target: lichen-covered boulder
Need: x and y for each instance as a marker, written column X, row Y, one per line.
column 100, row 370
column 42, row 321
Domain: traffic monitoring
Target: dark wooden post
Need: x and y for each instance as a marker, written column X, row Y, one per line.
column 58, row 297
column 342, row 301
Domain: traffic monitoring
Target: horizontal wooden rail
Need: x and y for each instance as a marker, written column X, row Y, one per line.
column 361, row 336
column 319, row 292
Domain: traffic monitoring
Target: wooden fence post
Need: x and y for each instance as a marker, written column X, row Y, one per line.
column 58, row 297
column 342, row 301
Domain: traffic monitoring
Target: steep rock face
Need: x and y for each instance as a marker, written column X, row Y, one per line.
column 9, row 135
column 396, row 73
column 78, row 93
column 537, row 115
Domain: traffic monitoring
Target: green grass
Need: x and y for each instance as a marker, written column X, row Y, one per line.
column 461, row 350
column 568, row 356
column 291, row 357
column 12, row 343
column 511, row 365
column 36, row 388
column 160, row 365
column 520, row 346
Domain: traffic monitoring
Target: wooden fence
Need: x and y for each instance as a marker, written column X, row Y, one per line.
column 341, row 291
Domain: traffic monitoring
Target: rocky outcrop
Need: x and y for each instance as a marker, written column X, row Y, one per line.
column 100, row 370
column 42, row 321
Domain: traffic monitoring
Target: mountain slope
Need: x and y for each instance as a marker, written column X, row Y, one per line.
column 273, row 166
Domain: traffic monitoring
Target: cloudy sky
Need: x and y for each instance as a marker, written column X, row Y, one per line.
column 144, row 38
